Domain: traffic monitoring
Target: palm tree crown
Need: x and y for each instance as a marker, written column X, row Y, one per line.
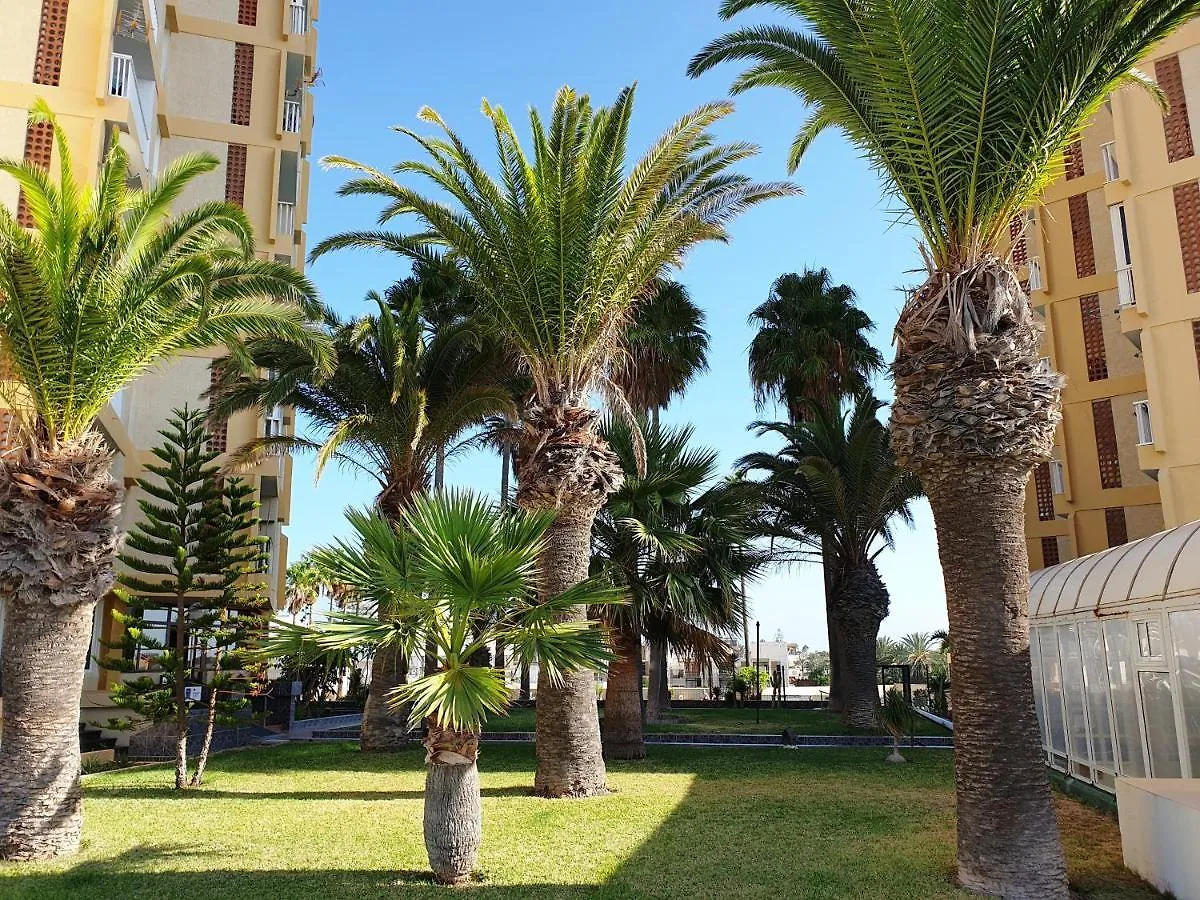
column 108, row 283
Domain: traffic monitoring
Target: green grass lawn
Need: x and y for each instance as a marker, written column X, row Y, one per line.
column 728, row 720
column 326, row 821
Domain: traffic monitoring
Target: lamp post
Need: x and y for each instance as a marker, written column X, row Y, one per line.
column 757, row 663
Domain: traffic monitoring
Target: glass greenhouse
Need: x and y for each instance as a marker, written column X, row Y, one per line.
column 1115, row 646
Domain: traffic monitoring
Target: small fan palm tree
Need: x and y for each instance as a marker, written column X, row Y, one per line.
column 462, row 574
column 836, row 488
column 966, row 109
column 405, row 394
column 557, row 252
column 106, row 285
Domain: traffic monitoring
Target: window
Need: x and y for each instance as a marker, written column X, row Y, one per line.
column 1124, row 259
column 1158, row 709
column 1185, row 635
column 1044, row 364
column 1052, row 677
column 273, row 423
column 1108, row 153
column 1118, row 649
column 1149, row 639
column 1058, row 477
column 1095, row 676
column 1145, row 430
column 1035, row 274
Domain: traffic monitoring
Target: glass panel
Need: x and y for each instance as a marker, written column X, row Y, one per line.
column 1052, row 677
column 1072, row 671
column 1149, row 639
column 1118, row 645
column 1160, row 724
column 1095, row 677
column 1039, row 701
column 1185, row 634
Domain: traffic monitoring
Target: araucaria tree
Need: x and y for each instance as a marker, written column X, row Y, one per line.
column 966, row 109
column 557, row 252
column 193, row 562
column 105, row 285
column 460, row 574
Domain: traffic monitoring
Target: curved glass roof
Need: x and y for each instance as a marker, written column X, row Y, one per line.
column 1162, row 565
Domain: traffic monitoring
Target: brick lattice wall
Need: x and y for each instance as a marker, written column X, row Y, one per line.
column 39, row 147
column 218, row 432
column 1176, row 126
column 1020, row 244
column 1073, row 160
column 1196, row 341
column 1114, row 524
column 52, row 33
column 1106, row 444
column 1081, row 236
column 1093, row 337
column 1045, row 492
column 247, row 12
column 1050, row 555
column 1187, row 220
column 243, row 83
column 235, row 174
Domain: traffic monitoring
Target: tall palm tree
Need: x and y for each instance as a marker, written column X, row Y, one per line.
column 966, row 109
column 557, row 252
column 678, row 542
column 665, row 347
column 811, row 343
column 403, row 395
column 835, row 487
column 887, row 651
column 811, row 346
column 461, row 573
column 916, row 649
column 105, row 285
column 302, row 587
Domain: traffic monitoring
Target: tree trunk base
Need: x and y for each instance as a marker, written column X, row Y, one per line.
column 621, row 727
column 385, row 729
column 570, row 761
column 453, row 821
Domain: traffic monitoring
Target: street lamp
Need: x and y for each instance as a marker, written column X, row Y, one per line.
column 757, row 663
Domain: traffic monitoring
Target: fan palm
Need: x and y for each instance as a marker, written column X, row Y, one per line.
column 665, row 347
column 402, row 393
column 460, row 573
column 966, row 109
column 106, row 285
column 678, row 544
column 302, row 586
column 835, row 487
column 556, row 253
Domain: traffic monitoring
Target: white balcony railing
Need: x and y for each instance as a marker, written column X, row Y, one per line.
column 1112, row 169
column 1035, row 274
column 297, row 17
column 1145, row 430
column 285, row 220
column 120, row 75
column 292, row 113
column 1058, row 477
column 1126, row 295
column 122, row 82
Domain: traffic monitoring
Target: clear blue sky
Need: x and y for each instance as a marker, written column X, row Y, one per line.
column 381, row 61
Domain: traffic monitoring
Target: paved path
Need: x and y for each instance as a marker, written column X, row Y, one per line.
column 302, row 729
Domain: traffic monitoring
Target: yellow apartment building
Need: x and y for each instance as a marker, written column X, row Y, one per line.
column 169, row 77
column 1112, row 258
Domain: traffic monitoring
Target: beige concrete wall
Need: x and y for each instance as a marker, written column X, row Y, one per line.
column 18, row 39
column 1142, row 521
column 155, row 395
column 12, row 146
column 210, row 186
column 1125, row 425
column 220, row 10
column 199, row 60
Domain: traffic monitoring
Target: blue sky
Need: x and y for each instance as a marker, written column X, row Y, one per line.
column 382, row 60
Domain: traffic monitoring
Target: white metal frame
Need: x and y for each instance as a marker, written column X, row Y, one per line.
column 1145, row 423
column 293, row 114
column 297, row 17
column 1126, row 290
column 1058, row 477
column 1112, row 166
column 285, row 223
column 1036, row 282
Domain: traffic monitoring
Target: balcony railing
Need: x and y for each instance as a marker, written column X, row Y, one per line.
column 1035, row 274
column 1112, row 169
column 297, row 17
column 1145, row 430
column 1126, row 295
column 122, row 82
column 120, row 75
column 285, row 220
column 292, row 113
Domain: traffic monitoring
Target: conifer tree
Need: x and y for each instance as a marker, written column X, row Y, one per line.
column 194, row 556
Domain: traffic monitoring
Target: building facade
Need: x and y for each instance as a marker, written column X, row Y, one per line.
column 166, row 78
column 1112, row 258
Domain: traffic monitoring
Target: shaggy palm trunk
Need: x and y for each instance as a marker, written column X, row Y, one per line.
column 860, row 603
column 658, row 694
column 453, row 818
column 564, row 465
column 972, row 421
column 385, row 726
column 58, row 541
column 623, row 700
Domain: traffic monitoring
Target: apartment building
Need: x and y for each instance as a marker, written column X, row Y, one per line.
column 1112, row 257
column 166, row 78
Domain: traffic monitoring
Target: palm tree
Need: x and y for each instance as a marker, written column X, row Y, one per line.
column 302, row 586
column 665, row 347
column 105, row 285
column 887, row 651
column 916, row 649
column 811, row 347
column 678, row 544
column 836, row 487
column 966, row 110
column 461, row 573
column 401, row 398
column 811, row 343
column 557, row 252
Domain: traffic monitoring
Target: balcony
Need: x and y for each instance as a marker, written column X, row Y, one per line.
column 123, row 83
column 297, row 17
column 1126, row 295
column 293, row 113
column 1145, row 428
column 1112, row 168
column 1036, row 282
column 285, row 219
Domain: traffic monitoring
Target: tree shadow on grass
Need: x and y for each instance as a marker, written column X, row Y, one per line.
column 169, row 793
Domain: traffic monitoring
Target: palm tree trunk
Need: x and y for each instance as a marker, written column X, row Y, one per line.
column 206, row 746
column 570, row 760
column 58, row 541
column 860, row 605
column 505, row 455
column 453, row 818
column 836, row 703
column 972, row 420
column 658, row 689
column 384, row 727
column 622, row 725
column 524, row 691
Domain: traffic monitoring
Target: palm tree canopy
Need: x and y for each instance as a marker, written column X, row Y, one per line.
column 917, row 648
column 966, row 108
column 302, row 586
column 811, row 343
column 559, row 248
column 835, row 483
column 108, row 283
column 665, row 347
column 460, row 574
column 402, row 389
